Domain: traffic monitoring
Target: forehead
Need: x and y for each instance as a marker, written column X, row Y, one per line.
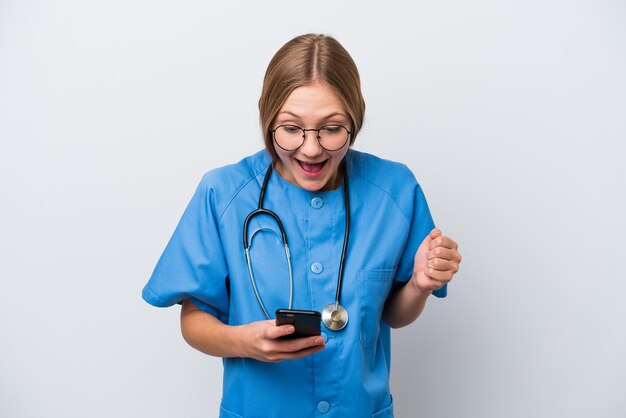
column 313, row 101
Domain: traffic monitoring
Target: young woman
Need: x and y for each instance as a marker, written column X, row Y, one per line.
column 339, row 231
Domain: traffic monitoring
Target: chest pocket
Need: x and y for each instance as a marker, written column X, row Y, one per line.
column 374, row 288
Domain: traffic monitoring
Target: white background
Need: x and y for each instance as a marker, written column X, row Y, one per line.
column 512, row 114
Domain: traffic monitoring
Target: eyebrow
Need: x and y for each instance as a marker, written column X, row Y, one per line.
column 324, row 118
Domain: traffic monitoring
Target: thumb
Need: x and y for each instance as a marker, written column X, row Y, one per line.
column 422, row 251
column 436, row 232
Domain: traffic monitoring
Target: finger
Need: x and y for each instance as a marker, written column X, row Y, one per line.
column 444, row 253
column 425, row 245
column 276, row 349
column 274, row 358
column 440, row 276
column 276, row 331
column 304, row 353
column 287, row 349
column 443, row 265
column 298, row 344
column 432, row 284
column 443, row 241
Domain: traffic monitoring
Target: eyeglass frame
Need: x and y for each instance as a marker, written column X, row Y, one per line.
column 318, row 136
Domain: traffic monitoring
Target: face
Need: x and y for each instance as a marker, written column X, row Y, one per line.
column 311, row 167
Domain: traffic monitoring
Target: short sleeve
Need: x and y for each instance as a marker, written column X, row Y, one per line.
column 192, row 265
column 421, row 225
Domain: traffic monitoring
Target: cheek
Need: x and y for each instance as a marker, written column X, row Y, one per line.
column 287, row 163
column 283, row 156
column 338, row 158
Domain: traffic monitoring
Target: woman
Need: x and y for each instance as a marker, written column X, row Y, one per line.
column 335, row 204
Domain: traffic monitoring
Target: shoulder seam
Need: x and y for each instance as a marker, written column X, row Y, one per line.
column 408, row 220
column 243, row 186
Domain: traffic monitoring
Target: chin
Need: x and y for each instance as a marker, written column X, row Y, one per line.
column 311, row 186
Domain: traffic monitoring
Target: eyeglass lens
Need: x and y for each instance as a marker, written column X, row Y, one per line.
column 330, row 137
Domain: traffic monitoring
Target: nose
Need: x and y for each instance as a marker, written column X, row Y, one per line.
column 311, row 146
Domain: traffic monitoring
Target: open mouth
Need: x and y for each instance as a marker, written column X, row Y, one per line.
column 312, row 169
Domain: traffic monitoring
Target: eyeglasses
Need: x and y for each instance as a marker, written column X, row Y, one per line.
column 330, row 137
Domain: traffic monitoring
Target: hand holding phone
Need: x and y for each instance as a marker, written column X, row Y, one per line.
column 306, row 323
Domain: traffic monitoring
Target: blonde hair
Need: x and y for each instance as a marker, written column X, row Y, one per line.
column 304, row 60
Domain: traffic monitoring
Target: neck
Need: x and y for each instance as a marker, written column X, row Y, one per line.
column 336, row 180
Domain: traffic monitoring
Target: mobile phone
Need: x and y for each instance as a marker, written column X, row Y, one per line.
column 306, row 323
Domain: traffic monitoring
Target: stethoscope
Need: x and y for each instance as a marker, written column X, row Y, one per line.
column 334, row 316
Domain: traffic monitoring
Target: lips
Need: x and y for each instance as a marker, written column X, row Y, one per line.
column 312, row 169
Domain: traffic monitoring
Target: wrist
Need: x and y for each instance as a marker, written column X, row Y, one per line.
column 419, row 292
column 237, row 336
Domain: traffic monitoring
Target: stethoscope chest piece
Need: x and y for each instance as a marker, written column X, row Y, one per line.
column 335, row 317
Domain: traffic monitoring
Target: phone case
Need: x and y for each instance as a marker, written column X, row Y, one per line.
column 307, row 323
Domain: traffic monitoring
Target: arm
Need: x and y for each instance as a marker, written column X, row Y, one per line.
column 405, row 305
column 257, row 340
column 436, row 261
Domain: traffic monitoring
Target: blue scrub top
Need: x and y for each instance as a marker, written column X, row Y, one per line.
column 204, row 261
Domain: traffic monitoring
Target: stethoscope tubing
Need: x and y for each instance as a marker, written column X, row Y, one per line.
column 344, row 248
column 260, row 210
